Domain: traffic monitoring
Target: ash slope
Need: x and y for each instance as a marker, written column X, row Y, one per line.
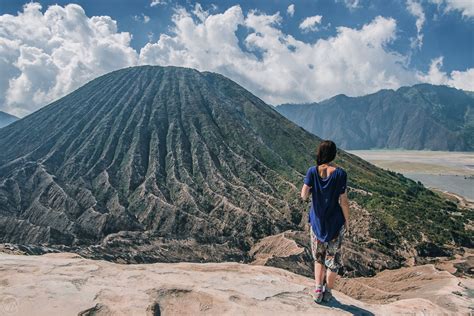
column 171, row 164
column 420, row 117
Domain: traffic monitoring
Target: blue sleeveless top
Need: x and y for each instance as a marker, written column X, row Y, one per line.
column 326, row 215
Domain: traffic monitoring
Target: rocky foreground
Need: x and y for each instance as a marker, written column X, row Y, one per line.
column 67, row 284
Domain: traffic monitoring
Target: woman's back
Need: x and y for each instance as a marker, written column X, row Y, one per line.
column 327, row 183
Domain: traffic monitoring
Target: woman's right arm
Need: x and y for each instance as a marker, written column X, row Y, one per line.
column 305, row 191
column 344, row 201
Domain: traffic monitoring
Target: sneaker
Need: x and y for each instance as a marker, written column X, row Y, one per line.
column 317, row 294
column 327, row 296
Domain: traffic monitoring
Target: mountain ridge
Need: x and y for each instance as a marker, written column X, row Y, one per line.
column 419, row 117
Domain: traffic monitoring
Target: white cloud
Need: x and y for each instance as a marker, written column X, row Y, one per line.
column 157, row 2
column 311, row 23
column 142, row 18
column 150, row 36
column 291, row 10
column 350, row 4
column 416, row 10
column 458, row 79
column 45, row 56
column 466, row 7
column 284, row 69
column 199, row 12
column 434, row 75
column 462, row 79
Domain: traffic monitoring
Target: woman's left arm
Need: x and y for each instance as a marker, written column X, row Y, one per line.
column 344, row 202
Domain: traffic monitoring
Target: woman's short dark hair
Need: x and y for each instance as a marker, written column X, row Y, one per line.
column 326, row 152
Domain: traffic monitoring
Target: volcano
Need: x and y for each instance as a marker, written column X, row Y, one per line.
column 171, row 164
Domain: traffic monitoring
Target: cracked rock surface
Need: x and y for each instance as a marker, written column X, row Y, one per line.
column 67, row 284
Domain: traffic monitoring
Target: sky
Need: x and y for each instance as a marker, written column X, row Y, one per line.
column 282, row 51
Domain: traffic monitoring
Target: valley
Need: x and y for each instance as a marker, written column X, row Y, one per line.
column 446, row 171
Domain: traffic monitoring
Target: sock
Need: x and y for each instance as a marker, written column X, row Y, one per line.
column 327, row 290
column 319, row 286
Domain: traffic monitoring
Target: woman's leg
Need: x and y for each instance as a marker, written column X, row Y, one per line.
column 319, row 271
column 330, row 278
column 318, row 252
column 333, row 262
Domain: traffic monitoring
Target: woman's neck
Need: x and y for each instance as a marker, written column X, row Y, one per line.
column 325, row 170
column 325, row 165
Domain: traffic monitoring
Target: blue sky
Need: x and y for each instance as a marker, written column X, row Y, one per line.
column 405, row 42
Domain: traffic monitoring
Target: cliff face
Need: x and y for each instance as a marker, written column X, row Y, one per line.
column 419, row 117
column 170, row 164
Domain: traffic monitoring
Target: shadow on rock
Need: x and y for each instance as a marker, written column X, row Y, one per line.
column 354, row 310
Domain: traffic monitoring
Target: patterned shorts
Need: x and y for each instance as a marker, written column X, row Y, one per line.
column 328, row 253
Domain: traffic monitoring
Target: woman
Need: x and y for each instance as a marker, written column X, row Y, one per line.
column 329, row 217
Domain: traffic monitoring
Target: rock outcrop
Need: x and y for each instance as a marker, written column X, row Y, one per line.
column 66, row 284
